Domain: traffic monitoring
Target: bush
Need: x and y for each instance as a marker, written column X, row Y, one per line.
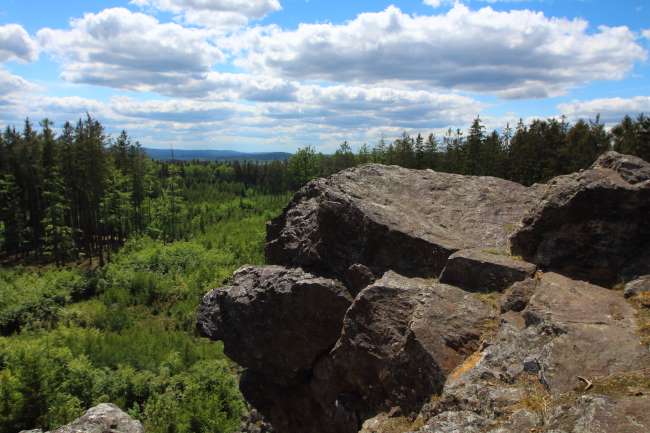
column 34, row 297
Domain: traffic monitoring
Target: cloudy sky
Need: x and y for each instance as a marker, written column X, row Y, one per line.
column 262, row 75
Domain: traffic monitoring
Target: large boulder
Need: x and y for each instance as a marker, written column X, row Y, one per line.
column 104, row 418
column 401, row 338
column 275, row 320
column 485, row 271
column 387, row 217
column 570, row 335
column 592, row 225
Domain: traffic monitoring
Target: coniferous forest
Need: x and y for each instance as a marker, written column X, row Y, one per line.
column 106, row 253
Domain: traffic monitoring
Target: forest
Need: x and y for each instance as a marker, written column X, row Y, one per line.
column 106, row 253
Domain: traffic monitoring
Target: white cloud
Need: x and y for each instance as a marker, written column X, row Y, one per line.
column 514, row 54
column 122, row 49
column 216, row 14
column 179, row 110
column 646, row 33
column 16, row 44
column 230, row 86
column 611, row 110
column 433, row 3
column 360, row 108
column 10, row 83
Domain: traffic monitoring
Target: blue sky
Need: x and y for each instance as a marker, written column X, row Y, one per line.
column 261, row 75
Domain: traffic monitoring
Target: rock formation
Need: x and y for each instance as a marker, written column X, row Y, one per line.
column 393, row 304
column 392, row 218
column 592, row 225
column 104, row 418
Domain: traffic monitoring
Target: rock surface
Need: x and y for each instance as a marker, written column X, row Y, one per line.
column 484, row 271
column 401, row 338
column 104, row 418
column 592, row 225
column 640, row 285
column 350, row 331
column 568, row 330
column 517, row 297
column 387, row 217
column 267, row 308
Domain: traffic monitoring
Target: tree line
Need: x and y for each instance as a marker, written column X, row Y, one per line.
column 80, row 193
column 527, row 154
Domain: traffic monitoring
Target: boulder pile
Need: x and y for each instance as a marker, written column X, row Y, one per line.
column 399, row 300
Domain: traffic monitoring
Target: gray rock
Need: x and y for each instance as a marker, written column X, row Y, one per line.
column 602, row 414
column 594, row 326
column 479, row 270
column 640, row 285
column 592, row 225
column 568, row 329
column 274, row 319
column 387, row 217
column 456, row 422
column 104, row 418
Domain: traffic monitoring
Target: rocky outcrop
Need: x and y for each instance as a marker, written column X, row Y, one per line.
column 570, row 334
column 394, row 305
column 480, row 270
column 267, row 308
column 592, row 225
column 104, row 418
column 387, row 217
column 400, row 339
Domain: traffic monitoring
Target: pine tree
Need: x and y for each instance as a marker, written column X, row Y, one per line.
column 472, row 150
column 419, row 152
column 431, row 153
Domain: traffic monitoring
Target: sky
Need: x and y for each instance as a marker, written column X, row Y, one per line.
column 277, row 75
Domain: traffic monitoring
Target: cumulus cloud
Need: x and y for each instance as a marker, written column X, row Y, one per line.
column 646, row 33
column 359, row 107
column 216, row 14
column 230, row 86
column 611, row 110
column 516, row 54
column 122, row 49
column 179, row 110
column 16, row 44
column 10, row 83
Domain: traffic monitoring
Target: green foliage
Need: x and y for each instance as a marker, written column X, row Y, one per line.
column 124, row 333
column 34, row 298
column 46, row 381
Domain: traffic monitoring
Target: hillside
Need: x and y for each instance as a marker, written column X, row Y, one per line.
column 214, row 155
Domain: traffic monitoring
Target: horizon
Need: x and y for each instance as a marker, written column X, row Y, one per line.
column 273, row 76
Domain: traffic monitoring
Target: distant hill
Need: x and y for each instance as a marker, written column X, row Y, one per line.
column 215, row 155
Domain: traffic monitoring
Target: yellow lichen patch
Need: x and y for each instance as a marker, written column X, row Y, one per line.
column 643, row 299
column 496, row 251
column 466, row 366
